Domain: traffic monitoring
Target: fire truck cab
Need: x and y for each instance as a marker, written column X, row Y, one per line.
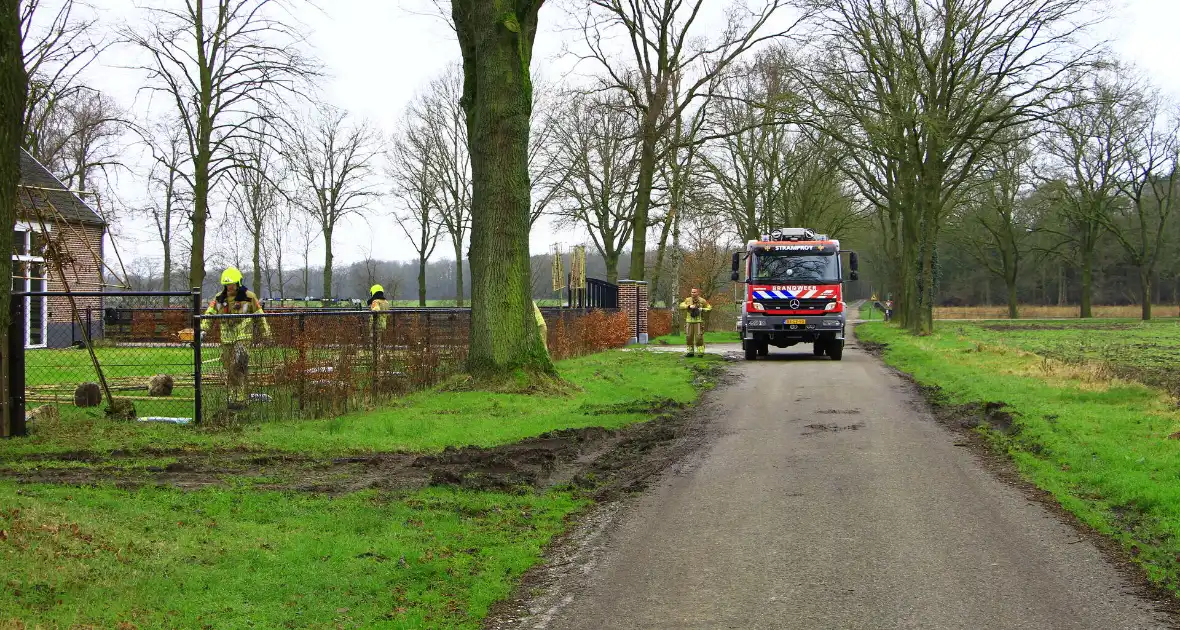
column 793, row 288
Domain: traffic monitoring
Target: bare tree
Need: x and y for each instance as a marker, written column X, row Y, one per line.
column 1082, row 146
column 169, row 207
column 918, row 93
column 417, row 190
column 1150, row 155
column 254, row 196
column 220, row 63
column 331, row 159
column 308, row 230
column 440, row 121
column 668, row 67
column 995, row 226
column 89, row 143
column 277, row 238
column 58, row 45
column 545, row 174
column 598, row 159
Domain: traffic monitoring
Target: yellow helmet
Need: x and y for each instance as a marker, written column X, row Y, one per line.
column 375, row 289
column 231, row 276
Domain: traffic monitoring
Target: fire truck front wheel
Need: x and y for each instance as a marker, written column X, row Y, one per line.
column 751, row 348
column 836, row 349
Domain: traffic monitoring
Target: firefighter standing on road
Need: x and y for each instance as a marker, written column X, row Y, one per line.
column 236, row 333
column 695, row 307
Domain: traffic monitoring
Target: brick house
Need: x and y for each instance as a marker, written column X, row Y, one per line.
column 47, row 211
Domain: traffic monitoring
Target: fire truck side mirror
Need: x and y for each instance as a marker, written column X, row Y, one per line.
column 854, row 263
column 854, row 276
column 733, row 275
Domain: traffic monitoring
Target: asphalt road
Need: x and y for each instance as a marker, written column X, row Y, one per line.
column 831, row 499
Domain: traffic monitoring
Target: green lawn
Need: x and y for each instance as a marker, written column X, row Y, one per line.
column 1092, row 423
column 243, row 556
column 165, row 558
column 425, row 421
column 710, row 337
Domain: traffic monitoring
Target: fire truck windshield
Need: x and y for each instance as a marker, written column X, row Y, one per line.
column 787, row 268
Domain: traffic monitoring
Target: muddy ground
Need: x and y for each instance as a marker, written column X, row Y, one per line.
column 599, row 461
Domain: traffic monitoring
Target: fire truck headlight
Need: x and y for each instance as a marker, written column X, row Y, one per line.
column 758, row 306
column 831, row 306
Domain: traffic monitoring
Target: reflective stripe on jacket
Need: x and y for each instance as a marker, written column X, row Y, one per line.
column 235, row 329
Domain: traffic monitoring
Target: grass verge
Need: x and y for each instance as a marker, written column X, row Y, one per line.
column 102, row 557
column 426, row 421
column 1098, row 443
column 710, row 337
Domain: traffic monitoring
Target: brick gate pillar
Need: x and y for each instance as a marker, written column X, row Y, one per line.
column 641, row 311
column 629, row 303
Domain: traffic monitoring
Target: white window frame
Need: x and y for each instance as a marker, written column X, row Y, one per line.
column 28, row 231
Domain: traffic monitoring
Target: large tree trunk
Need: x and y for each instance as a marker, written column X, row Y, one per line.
column 1061, row 286
column 647, row 169
column 1145, row 288
column 13, row 92
column 1087, row 282
column 612, row 267
column 496, row 39
column 1012, row 311
column 196, row 263
column 258, row 260
column 459, row 273
column 327, row 263
column 167, row 270
column 422, row 281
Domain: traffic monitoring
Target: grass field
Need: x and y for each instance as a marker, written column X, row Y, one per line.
column 166, row 558
column 1093, row 407
column 1049, row 312
column 244, row 555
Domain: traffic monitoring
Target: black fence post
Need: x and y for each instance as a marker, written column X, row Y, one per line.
column 373, row 365
column 90, row 323
column 197, row 402
column 301, row 344
column 16, row 367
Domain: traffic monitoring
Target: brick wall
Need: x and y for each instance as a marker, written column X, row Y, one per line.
column 82, row 244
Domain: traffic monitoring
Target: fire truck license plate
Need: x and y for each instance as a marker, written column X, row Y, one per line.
column 795, row 321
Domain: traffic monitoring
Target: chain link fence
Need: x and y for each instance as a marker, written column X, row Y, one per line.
column 149, row 354
column 138, row 363
column 320, row 363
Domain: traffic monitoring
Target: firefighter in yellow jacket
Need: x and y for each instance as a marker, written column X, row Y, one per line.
column 236, row 333
column 378, row 303
column 542, row 328
column 695, row 308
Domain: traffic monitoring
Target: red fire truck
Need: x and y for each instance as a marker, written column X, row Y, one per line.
column 793, row 292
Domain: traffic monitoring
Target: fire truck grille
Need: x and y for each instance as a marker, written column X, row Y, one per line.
column 786, row 305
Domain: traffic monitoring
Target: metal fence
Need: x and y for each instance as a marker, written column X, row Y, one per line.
column 151, row 355
column 54, row 374
column 317, row 363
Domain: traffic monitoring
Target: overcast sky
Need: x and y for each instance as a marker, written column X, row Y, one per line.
column 380, row 52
